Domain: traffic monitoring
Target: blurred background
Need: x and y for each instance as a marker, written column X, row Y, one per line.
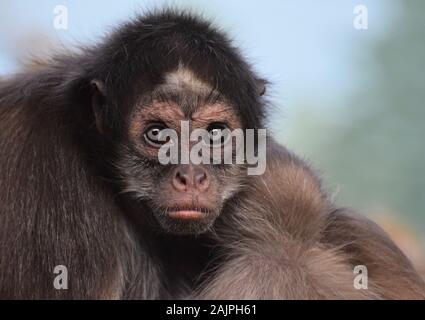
column 351, row 101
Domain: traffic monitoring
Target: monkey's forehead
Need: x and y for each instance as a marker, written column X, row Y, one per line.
column 184, row 79
column 182, row 95
column 185, row 90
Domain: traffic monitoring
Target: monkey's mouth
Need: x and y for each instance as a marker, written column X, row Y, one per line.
column 188, row 219
column 187, row 213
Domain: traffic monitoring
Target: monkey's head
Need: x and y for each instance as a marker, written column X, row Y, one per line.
column 171, row 72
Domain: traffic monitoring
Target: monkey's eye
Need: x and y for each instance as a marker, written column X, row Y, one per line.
column 153, row 134
column 218, row 134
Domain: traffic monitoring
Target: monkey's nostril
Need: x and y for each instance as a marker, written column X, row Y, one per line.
column 200, row 177
column 180, row 181
column 181, row 178
column 202, row 181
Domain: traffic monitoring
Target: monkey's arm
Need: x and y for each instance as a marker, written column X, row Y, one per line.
column 283, row 239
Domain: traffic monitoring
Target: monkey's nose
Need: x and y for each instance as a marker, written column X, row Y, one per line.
column 190, row 177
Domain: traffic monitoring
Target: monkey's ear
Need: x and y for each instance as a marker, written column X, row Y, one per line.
column 98, row 101
column 261, row 86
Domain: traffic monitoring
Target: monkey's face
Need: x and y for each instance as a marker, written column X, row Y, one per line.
column 158, row 167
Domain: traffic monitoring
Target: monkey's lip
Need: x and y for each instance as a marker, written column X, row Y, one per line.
column 187, row 214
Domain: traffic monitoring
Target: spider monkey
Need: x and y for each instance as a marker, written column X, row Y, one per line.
column 81, row 185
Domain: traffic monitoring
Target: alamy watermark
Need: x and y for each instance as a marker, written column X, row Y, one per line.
column 60, row 20
column 360, row 21
column 219, row 146
column 361, row 278
column 60, row 282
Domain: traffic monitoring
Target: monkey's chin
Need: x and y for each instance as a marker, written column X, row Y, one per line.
column 186, row 222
